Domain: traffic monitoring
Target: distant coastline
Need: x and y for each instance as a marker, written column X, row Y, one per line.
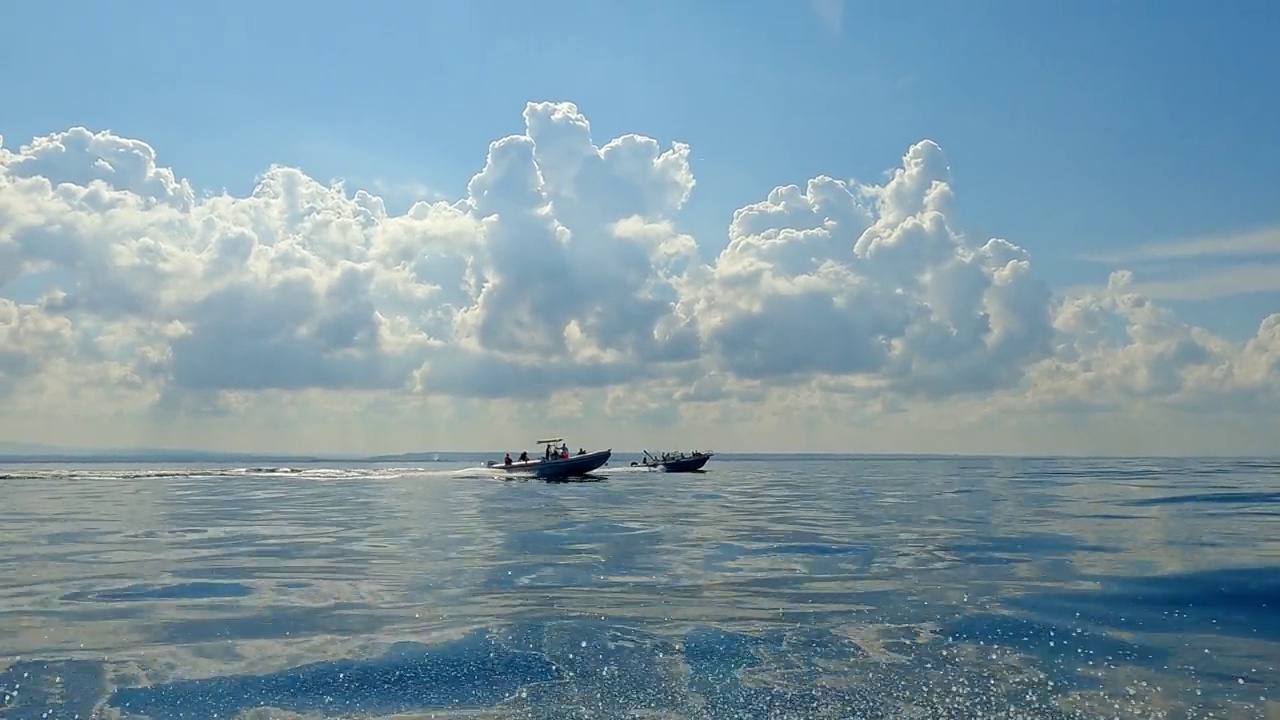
column 188, row 457
column 21, row 453
column 24, row 454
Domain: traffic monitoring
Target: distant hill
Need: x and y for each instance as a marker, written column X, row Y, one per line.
column 17, row 448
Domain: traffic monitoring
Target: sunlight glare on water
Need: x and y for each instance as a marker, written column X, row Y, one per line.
column 798, row 588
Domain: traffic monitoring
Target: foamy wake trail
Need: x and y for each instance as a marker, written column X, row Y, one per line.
column 613, row 470
column 273, row 473
column 319, row 474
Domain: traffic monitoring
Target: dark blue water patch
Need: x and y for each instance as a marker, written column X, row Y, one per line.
column 181, row 591
column 715, row 657
column 607, row 670
column 816, row 549
column 1221, row 498
column 45, row 690
column 273, row 623
column 575, row 668
column 476, row 671
column 1239, row 602
column 1056, row 645
column 775, row 674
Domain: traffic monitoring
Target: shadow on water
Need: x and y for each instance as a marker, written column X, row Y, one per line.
column 476, row 671
column 1219, row 498
column 182, row 591
column 1241, row 602
column 562, row 669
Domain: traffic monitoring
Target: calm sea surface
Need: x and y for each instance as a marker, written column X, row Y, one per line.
column 780, row 588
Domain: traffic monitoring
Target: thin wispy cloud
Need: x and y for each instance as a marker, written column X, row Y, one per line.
column 1260, row 241
column 830, row 11
column 1230, row 282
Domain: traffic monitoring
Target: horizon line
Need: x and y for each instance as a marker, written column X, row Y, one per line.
column 165, row 454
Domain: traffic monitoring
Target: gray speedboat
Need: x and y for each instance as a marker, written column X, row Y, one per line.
column 676, row 461
column 555, row 462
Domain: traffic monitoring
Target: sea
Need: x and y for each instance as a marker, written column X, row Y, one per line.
column 764, row 587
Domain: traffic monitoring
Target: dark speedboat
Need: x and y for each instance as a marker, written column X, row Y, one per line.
column 676, row 462
column 555, row 463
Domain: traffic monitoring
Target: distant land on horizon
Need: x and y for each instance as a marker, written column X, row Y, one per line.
column 39, row 453
column 20, row 453
column 8, row 455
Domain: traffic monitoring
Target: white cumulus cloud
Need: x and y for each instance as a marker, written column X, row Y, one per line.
column 561, row 289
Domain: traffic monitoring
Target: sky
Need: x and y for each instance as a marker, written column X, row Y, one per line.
column 826, row 225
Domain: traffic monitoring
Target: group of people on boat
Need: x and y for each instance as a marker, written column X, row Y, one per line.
column 666, row 456
column 552, row 453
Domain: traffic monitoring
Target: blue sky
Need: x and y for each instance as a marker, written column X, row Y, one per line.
column 1070, row 130
column 1088, row 128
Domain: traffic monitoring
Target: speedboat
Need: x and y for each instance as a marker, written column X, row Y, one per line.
column 676, row 462
column 555, row 463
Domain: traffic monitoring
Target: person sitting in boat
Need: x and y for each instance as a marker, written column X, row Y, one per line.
column 506, row 459
column 524, row 456
column 582, row 451
column 564, row 452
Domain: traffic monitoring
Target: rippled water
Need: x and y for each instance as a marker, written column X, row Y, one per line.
column 801, row 588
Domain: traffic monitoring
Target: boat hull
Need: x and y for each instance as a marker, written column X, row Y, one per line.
column 692, row 463
column 572, row 466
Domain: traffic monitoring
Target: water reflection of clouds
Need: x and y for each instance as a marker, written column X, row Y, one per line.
column 63, row 535
column 873, row 586
column 348, row 563
column 1157, row 512
column 559, row 540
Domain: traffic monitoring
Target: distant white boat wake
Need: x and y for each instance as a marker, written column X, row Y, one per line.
column 273, row 473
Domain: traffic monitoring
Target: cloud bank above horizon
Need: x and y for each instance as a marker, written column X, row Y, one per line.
column 560, row 291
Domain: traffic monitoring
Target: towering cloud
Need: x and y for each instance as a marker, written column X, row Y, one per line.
column 563, row 267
